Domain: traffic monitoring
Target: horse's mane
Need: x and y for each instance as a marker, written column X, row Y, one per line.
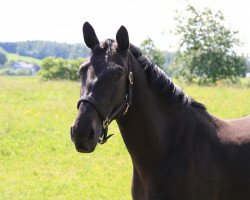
column 156, row 76
column 158, row 79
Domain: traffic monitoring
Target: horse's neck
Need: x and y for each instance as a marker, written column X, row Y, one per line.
column 151, row 128
column 145, row 125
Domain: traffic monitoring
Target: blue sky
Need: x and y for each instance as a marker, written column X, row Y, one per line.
column 61, row 20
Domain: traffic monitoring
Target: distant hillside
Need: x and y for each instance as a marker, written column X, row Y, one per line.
column 43, row 49
column 16, row 57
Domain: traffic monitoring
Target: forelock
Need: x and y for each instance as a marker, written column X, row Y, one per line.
column 108, row 47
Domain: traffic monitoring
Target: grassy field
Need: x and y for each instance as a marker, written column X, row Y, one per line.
column 37, row 158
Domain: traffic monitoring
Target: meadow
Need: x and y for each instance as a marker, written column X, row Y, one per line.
column 38, row 159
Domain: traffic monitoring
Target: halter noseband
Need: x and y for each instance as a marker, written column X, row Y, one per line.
column 107, row 119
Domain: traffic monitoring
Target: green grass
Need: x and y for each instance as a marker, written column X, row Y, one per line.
column 222, row 101
column 16, row 57
column 38, row 159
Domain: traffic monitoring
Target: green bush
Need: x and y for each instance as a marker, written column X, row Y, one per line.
column 58, row 68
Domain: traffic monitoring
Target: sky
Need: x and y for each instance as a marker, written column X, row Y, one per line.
column 62, row 20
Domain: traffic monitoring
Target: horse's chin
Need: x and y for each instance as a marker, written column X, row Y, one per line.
column 86, row 150
column 87, row 147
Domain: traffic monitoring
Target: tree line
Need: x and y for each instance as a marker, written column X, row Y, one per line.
column 43, row 49
column 3, row 57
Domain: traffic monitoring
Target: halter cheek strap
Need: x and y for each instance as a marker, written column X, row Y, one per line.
column 107, row 119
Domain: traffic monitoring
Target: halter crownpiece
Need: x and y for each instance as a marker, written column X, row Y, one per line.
column 126, row 103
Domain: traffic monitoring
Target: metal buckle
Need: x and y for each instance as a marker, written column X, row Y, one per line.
column 130, row 77
column 101, row 138
column 105, row 123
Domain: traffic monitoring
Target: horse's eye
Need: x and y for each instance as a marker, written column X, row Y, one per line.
column 118, row 75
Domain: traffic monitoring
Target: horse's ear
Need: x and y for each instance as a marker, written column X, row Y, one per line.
column 89, row 35
column 122, row 39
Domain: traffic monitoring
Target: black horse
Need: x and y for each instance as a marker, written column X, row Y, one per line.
column 179, row 150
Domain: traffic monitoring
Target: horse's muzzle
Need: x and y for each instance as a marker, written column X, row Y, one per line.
column 83, row 145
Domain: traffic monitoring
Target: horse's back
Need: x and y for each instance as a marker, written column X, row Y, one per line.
column 241, row 124
column 233, row 131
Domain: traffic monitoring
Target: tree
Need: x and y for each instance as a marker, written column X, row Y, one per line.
column 3, row 57
column 206, row 51
column 149, row 49
column 58, row 68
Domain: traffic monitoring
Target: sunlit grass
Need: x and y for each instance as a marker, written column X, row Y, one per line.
column 38, row 159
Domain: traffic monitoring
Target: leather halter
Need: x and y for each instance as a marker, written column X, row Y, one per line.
column 108, row 118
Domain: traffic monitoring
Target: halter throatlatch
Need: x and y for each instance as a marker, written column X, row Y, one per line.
column 106, row 120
